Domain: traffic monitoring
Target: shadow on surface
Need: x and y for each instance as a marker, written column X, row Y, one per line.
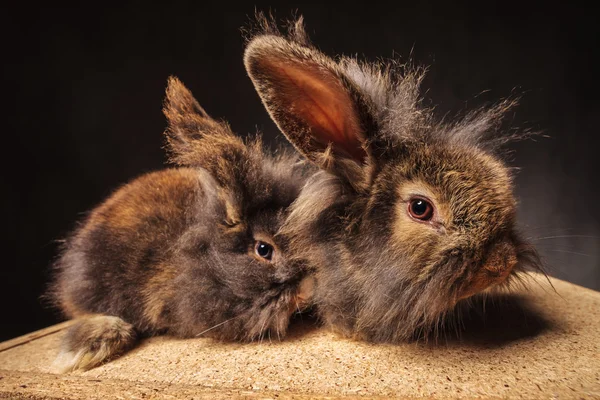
column 301, row 325
column 495, row 321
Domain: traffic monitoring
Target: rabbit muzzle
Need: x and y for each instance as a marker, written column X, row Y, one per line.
column 302, row 299
column 496, row 267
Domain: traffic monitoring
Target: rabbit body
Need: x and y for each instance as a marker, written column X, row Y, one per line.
column 409, row 215
column 176, row 251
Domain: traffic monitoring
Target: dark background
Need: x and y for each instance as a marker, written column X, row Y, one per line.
column 83, row 89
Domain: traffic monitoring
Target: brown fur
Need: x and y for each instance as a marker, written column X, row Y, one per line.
column 173, row 251
column 94, row 339
column 380, row 274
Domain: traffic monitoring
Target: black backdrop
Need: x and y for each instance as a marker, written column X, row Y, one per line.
column 83, row 87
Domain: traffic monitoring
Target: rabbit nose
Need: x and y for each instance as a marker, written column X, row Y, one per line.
column 498, row 265
column 500, row 261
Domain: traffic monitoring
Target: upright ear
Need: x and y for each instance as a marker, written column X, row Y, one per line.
column 187, row 121
column 318, row 109
column 194, row 138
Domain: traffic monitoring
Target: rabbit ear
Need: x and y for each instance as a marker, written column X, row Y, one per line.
column 194, row 138
column 308, row 96
column 180, row 102
column 188, row 121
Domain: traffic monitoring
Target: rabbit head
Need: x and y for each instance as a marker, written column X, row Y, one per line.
column 408, row 215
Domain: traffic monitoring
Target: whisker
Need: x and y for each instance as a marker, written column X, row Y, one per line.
column 262, row 329
column 567, row 245
column 567, row 237
column 548, row 229
column 298, row 310
column 278, row 335
column 547, row 277
column 520, row 282
column 569, row 252
column 216, row 326
column 483, row 303
column 269, row 334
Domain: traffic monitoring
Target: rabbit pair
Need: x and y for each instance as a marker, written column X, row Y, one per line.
column 398, row 219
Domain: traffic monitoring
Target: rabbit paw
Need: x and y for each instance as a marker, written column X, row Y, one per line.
column 92, row 341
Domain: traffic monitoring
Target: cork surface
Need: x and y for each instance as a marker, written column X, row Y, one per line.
column 534, row 344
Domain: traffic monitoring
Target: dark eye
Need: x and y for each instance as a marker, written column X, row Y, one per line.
column 420, row 209
column 263, row 250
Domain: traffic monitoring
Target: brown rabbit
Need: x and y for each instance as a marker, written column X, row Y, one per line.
column 188, row 251
column 408, row 215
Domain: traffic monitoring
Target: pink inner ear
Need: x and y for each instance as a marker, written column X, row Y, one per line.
column 320, row 100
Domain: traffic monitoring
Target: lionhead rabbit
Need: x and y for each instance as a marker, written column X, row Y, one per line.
column 408, row 215
column 188, row 251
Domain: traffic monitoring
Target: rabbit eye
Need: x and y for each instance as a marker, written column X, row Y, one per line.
column 420, row 209
column 263, row 250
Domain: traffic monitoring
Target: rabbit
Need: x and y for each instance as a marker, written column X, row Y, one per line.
column 187, row 251
column 408, row 216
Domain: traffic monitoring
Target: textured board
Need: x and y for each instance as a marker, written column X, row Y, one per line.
column 537, row 343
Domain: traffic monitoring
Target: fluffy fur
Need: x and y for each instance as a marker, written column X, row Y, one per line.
column 381, row 274
column 173, row 251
